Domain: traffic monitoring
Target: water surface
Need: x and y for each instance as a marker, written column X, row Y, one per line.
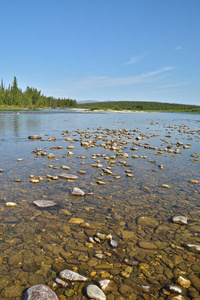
column 134, row 210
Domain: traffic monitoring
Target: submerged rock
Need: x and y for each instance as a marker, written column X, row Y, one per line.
column 40, row 292
column 193, row 248
column 44, row 203
column 95, row 293
column 72, row 276
column 175, row 289
column 107, row 285
column 179, row 220
column 184, row 282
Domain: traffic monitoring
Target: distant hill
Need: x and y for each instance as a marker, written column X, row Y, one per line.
column 139, row 106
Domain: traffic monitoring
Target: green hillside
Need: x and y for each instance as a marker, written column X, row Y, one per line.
column 140, row 106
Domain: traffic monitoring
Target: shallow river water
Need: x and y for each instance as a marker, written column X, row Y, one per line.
column 137, row 170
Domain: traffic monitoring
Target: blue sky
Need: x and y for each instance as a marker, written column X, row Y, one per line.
column 136, row 50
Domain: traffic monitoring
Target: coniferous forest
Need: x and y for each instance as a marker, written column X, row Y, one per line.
column 31, row 98
column 12, row 97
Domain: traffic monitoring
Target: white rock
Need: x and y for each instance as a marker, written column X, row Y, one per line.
column 104, row 284
column 175, row 289
column 95, row 293
column 44, row 203
column 61, row 282
column 113, row 243
column 179, row 220
column 40, row 292
column 193, row 248
column 77, row 192
column 72, row 276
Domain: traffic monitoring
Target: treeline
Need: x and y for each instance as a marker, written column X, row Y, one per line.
column 140, row 106
column 30, row 98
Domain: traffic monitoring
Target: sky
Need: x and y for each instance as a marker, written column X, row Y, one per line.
column 103, row 50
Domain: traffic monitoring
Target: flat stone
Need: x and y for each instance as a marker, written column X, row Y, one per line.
column 128, row 234
column 103, row 266
column 76, row 221
column 147, row 245
column 14, row 259
column 95, row 293
column 44, row 203
column 40, row 292
column 100, row 182
column 67, row 176
column 65, row 168
column 72, row 276
column 147, row 221
column 195, row 281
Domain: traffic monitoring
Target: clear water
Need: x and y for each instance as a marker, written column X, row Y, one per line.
column 38, row 237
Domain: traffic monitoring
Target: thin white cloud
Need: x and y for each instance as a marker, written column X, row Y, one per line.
column 105, row 81
column 178, row 48
column 169, row 86
column 133, row 60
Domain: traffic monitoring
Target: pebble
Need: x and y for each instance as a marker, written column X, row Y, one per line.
column 107, row 285
column 52, row 177
column 179, row 220
column 34, row 137
column 95, row 293
column 72, row 276
column 100, row 182
column 184, row 282
column 99, row 255
column 44, row 203
column 40, row 292
column 113, row 243
column 165, row 186
column 131, row 262
column 193, row 181
column 175, row 289
column 101, row 236
column 61, row 282
column 10, row 204
column 35, row 180
column 161, row 167
column 65, row 168
column 147, row 245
